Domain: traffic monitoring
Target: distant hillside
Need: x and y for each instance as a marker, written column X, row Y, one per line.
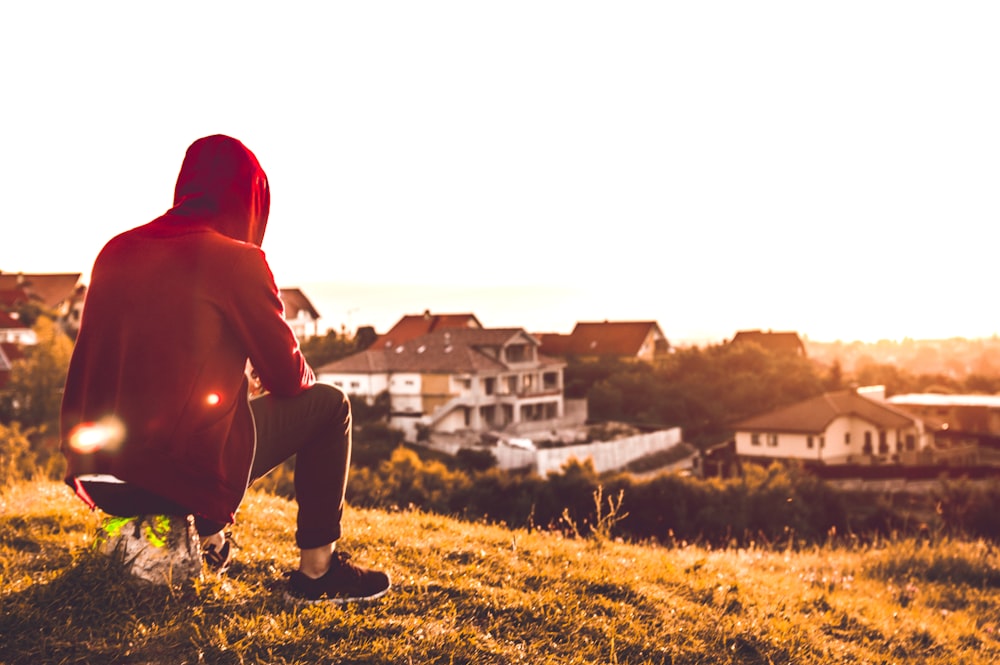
column 485, row 594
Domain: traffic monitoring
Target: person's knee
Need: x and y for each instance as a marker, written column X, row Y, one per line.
column 334, row 400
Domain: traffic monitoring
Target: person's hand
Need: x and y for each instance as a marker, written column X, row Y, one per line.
column 256, row 387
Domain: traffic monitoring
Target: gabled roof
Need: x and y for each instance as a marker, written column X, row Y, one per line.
column 604, row 338
column 782, row 342
column 295, row 301
column 448, row 351
column 49, row 288
column 814, row 415
column 412, row 326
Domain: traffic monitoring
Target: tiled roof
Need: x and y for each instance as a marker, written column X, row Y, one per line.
column 51, row 288
column 786, row 342
column 814, row 415
column 412, row 326
column 450, row 351
column 295, row 301
column 605, row 338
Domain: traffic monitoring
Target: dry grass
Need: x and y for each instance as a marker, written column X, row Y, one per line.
column 472, row 593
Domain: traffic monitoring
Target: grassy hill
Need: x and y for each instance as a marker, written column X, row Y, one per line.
column 475, row 593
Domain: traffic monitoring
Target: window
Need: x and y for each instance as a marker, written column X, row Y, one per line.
column 847, row 438
column 822, row 442
column 867, row 448
column 355, row 385
column 516, row 353
column 550, row 380
column 488, row 414
column 755, row 439
column 809, row 442
column 772, row 440
column 489, row 385
column 883, row 443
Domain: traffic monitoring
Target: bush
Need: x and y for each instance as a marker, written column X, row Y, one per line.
column 17, row 459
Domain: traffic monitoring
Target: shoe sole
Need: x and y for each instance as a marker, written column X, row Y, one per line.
column 300, row 600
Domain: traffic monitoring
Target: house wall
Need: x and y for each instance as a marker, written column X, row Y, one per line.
column 647, row 351
column 842, row 442
column 789, row 445
column 23, row 336
column 365, row 386
column 606, row 455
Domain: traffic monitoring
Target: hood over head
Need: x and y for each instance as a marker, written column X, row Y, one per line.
column 221, row 185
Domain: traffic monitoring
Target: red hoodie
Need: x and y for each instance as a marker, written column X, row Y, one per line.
column 173, row 311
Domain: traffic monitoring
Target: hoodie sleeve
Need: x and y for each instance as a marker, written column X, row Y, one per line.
column 258, row 318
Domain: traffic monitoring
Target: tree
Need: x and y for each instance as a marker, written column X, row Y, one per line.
column 321, row 350
column 34, row 393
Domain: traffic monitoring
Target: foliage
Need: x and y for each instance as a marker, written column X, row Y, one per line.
column 31, row 400
column 34, row 393
column 475, row 593
column 699, row 390
column 324, row 349
column 17, row 459
column 404, row 481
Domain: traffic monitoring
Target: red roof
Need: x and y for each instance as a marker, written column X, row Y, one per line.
column 49, row 288
column 605, row 338
column 782, row 342
column 295, row 301
column 412, row 326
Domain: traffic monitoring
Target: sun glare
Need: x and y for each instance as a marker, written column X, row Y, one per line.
column 107, row 434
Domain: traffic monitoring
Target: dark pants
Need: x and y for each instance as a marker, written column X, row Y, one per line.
column 315, row 426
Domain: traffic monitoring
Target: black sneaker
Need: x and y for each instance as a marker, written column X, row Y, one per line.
column 217, row 560
column 343, row 583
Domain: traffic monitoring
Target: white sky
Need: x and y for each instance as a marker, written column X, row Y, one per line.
column 829, row 168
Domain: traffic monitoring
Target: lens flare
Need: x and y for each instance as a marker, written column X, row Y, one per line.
column 212, row 399
column 106, row 434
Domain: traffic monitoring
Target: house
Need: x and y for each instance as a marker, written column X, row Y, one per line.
column 618, row 340
column 457, row 380
column 778, row 342
column 59, row 293
column 843, row 427
column 15, row 331
column 299, row 313
column 9, row 353
column 412, row 326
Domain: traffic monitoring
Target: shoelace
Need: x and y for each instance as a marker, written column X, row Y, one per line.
column 343, row 561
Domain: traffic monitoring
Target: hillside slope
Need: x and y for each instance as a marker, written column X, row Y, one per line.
column 473, row 593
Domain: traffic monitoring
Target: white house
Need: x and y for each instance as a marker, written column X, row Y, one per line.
column 842, row 427
column 455, row 380
column 15, row 332
column 300, row 314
